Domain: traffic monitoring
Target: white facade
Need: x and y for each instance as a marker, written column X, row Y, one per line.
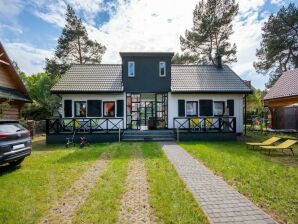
column 104, row 97
column 238, row 105
column 172, row 103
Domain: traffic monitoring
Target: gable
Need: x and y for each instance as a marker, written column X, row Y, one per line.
column 10, row 82
column 6, row 79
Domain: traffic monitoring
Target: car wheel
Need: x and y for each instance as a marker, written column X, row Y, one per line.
column 16, row 162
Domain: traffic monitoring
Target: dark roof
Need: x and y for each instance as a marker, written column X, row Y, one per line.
column 91, row 78
column 206, row 78
column 13, row 94
column 285, row 86
column 21, row 91
column 185, row 78
column 170, row 54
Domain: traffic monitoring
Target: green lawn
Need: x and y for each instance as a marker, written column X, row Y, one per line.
column 103, row 204
column 27, row 192
column 169, row 197
column 269, row 181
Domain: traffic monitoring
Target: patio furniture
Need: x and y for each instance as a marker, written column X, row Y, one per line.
column 285, row 145
column 268, row 142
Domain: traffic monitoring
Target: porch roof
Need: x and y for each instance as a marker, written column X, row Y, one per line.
column 91, row 78
column 206, row 78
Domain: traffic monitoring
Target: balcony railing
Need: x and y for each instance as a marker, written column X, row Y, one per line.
column 205, row 124
column 84, row 125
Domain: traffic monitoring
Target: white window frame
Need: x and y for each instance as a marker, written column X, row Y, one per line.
column 134, row 68
column 164, row 75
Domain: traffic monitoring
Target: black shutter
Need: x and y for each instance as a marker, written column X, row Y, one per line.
column 206, row 108
column 230, row 105
column 67, row 108
column 181, row 108
column 120, row 108
column 94, row 108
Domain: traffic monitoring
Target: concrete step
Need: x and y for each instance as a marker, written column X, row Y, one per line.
column 147, row 139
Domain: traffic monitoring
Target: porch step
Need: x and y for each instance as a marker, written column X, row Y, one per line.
column 148, row 135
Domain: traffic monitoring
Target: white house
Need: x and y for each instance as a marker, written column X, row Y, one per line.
column 146, row 93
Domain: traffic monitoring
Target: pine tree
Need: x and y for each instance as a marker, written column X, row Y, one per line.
column 182, row 58
column 212, row 27
column 279, row 46
column 74, row 47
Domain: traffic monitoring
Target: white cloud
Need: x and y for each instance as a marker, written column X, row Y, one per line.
column 247, row 37
column 150, row 26
column 144, row 26
column 30, row 59
column 277, row 2
column 10, row 9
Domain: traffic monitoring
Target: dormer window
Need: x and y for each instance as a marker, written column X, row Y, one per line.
column 131, row 69
column 162, row 69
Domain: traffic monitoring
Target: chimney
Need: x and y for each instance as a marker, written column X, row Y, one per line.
column 218, row 61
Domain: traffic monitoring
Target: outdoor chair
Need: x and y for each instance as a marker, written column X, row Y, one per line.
column 195, row 123
column 285, row 145
column 268, row 142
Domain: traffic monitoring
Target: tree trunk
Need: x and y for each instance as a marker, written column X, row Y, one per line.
column 80, row 53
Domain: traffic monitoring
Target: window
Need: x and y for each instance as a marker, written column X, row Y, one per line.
column 219, row 108
column 109, row 109
column 94, row 108
column 80, row 109
column 131, row 69
column 67, row 108
column 162, row 69
column 191, row 108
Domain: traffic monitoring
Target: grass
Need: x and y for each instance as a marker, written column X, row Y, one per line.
column 168, row 195
column 27, row 192
column 102, row 206
column 272, row 185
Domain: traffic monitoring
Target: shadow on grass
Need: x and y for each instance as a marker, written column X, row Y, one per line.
column 6, row 169
column 94, row 151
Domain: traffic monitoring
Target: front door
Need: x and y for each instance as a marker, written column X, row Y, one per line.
column 147, row 115
column 146, row 111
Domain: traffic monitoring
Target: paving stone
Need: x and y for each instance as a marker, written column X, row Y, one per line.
column 221, row 202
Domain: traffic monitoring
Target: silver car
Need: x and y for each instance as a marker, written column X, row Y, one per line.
column 15, row 143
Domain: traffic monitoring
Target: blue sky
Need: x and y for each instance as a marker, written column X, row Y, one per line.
column 29, row 29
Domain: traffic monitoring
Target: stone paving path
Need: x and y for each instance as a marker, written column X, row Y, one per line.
column 64, row 209
column 134, row 203
column 220, row 202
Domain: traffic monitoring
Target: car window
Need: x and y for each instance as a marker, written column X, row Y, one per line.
column 11, row 128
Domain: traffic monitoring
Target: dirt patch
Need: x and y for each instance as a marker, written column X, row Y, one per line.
column 135, row 206
column 64, row 209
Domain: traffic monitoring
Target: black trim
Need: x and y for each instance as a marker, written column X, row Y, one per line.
column 94, row 108
column 206, row 107
column 181, row 108
column 120, row 108
column 67, row 108
column 230, row 105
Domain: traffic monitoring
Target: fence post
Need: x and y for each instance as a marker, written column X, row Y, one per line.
column 119, row 135
column 177, row 134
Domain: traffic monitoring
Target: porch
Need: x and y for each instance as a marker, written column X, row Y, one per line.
column 113, row 129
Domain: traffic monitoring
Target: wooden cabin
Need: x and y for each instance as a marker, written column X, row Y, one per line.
column 12, row 89
column 282, row 101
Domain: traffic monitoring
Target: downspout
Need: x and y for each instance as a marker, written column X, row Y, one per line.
column 245, row 114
